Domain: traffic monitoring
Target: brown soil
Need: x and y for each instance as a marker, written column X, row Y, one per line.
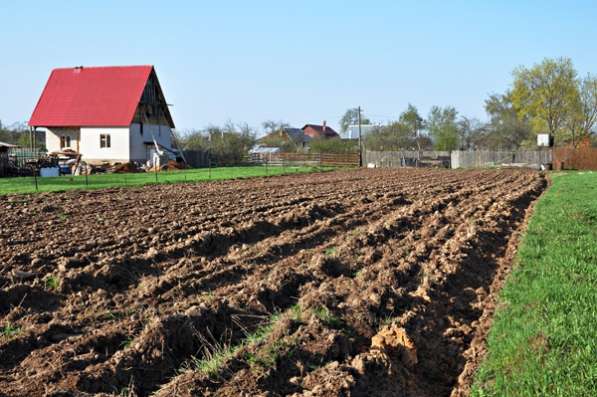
column 381, row 281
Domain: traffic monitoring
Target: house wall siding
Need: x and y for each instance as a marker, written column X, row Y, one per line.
column 119, row 150
column 53, row 138
column 126, row 144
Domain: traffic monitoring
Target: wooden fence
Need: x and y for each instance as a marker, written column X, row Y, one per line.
column 406, row 158
column 314, row 159
column 562, row 158
column 201, row 159
column 493, row 158
column 582, row 158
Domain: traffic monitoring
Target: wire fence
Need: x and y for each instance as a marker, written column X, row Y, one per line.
column 117, row 180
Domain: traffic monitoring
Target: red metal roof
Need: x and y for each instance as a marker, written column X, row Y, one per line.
column 91, row 96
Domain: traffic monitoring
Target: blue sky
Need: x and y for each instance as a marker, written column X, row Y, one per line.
column 302, row 61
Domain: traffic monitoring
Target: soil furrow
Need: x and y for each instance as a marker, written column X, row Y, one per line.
column 367, row 282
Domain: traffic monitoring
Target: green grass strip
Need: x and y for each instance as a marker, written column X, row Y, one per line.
column 544, row 338
column 101, row 181
column 218, row 354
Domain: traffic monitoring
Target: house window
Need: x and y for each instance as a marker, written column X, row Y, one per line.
column 64, row 141
column 105, row 141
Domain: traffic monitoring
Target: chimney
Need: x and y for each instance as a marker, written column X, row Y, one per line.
column 324, row 125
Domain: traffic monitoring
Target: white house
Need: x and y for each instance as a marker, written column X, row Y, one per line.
column 107, row 114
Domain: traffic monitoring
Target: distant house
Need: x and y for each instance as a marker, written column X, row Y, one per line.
column 315, row 131
column 107, row 114
column 288, row 136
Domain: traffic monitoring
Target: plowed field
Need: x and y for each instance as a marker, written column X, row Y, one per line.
column 369, row 282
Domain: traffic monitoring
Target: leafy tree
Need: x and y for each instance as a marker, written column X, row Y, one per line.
column 414, row 123
column 471, row 133
column 393, row 136
column 546, row 94
column 404, row 134
column 443, row 127
column 351, row 117
column 505, row 130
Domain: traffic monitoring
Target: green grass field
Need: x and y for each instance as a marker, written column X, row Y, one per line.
column 544, row 337
column 99, row 181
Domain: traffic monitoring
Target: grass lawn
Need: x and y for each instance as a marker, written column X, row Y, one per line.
column 61, row 183
column 544, row 337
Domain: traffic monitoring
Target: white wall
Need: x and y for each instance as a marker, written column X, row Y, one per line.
column 53, row 138
column 119, row 150
column 126, row 144
column 139, row 150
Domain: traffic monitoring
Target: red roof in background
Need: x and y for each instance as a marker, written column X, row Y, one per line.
column 91, row 96
column 318, row 131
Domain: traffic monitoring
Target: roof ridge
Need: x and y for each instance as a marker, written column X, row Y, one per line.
column 102, row 67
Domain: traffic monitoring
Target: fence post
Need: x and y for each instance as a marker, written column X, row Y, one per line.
column 35, row 178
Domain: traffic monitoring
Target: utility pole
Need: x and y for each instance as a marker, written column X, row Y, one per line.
column 360, row 141
column 418, row 141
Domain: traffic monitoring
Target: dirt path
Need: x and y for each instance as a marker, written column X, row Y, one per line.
column 370, row 282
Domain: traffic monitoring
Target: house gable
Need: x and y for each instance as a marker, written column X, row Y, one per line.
column 152, row 107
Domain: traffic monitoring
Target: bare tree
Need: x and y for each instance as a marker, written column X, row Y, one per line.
column 270, row 126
